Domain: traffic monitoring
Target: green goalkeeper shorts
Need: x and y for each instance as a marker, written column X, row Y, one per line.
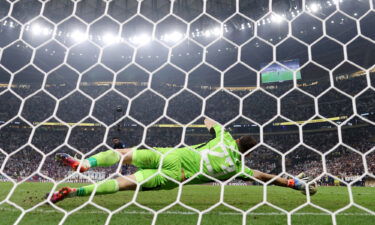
column 148, row 175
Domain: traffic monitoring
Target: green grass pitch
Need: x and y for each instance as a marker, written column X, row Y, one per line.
column 200, row 197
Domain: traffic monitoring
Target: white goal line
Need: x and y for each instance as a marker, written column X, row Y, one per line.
column 189, row 213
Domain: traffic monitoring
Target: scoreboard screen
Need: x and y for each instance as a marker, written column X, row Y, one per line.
column 277, row 73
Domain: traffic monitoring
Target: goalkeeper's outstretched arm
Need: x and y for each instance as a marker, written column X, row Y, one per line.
column 279, row 181
column 298, row 183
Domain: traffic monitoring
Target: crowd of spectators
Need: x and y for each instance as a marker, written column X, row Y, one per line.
column 303, row 151
column 184, row 105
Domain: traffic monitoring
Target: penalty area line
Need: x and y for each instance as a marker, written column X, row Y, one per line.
column 189, row 213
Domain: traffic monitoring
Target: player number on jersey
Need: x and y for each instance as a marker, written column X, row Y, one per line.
column 227, row 165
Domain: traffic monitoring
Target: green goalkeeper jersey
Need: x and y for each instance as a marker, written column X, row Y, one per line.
column 219, row 157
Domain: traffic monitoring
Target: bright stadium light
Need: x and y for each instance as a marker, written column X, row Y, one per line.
column 109, row 38
column 276, row 18
column 133, row 40
column 217, row 31
column 144, row 39
column 141, row 39
column 36, row 29
column 314, row 7
column 78, row 36
column 207, row 33
column 173, row 37
column 46, row 31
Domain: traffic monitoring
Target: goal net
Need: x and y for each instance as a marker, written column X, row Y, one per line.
column 85, row 76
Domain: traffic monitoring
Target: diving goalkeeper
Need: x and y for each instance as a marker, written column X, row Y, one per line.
column 218, row 158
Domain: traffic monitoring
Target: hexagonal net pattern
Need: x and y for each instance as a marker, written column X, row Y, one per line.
column 298, row 76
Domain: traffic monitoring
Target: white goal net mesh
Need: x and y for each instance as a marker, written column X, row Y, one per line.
column 297, row 75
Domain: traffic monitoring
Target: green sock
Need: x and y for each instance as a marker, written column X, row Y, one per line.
column 104, row 187
column 107, row 158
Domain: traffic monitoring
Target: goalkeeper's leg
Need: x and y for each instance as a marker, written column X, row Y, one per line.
column 102, row 159
column 148, row 178
column 104, row 187
column 298, row 183
column 148, row 162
